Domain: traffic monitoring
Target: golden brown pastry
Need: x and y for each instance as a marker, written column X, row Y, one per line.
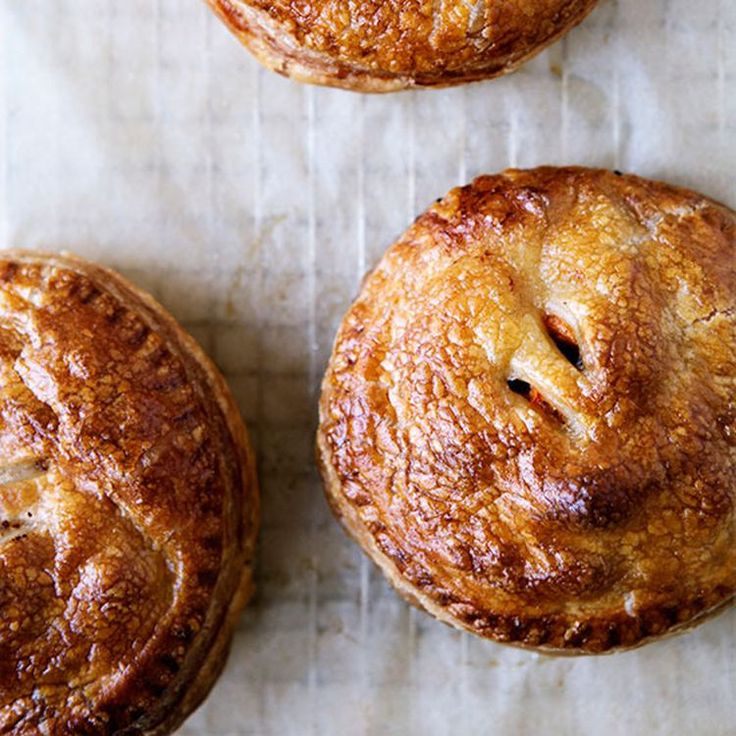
column 377, row 46
column 128, row 506
column 529, row 417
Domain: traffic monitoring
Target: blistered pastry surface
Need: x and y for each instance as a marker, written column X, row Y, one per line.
column 381, row 46
column 124, row 523
column 580, row 499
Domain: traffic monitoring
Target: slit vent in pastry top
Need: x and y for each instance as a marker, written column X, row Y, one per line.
column 378, row 46
column 528, row 420
column 128, row 506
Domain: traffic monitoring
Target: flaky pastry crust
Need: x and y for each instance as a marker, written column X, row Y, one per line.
column 377, row 46
column 529, row 416
column 128, row 506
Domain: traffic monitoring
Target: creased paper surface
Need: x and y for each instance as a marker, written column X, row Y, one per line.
column 140, row 134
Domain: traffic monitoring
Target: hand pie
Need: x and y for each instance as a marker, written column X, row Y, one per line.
column 529, row 417
column 376, row 46
column 128, row 506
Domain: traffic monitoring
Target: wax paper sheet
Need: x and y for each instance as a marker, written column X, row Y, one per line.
column 140, row 134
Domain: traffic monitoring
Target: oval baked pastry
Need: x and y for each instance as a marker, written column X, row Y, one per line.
column 128, row 506
column 529, row 416
column 376, row 46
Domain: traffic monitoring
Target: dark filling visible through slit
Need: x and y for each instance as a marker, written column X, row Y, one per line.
column 533, row 396
column 563, row 336
column 520, row 387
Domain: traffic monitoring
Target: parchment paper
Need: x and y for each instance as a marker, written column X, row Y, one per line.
column 139, row 133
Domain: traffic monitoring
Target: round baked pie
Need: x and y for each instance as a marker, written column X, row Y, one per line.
column 128, row 506
column 529, row 416
column 376, row 46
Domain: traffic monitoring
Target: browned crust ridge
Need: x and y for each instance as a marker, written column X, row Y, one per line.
column 528, row 418
column 128, row 500
column 384, row 47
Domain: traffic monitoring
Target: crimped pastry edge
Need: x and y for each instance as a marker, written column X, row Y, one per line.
column 555, row 644
column 185, row 698
column 264, row 39
column 356, row 531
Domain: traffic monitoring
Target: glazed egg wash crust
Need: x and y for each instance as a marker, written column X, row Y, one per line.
column 128, row 506
column 529, row 416
column 378, row 46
